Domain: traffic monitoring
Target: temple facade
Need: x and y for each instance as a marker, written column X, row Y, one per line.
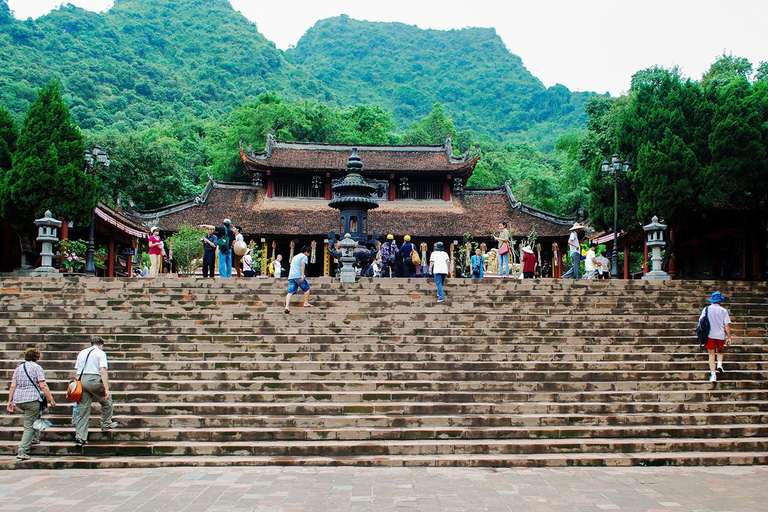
column 421, row 192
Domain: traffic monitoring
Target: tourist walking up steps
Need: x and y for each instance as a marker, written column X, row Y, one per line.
column 574, row 248
column 719, row 333
column 439, row 267
column 297, row 278
column 92, row 368
column 28, row 387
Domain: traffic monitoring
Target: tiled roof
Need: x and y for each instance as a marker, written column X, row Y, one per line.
column 477, row 212
column 379, row 160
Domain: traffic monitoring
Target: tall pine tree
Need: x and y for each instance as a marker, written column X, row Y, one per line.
column 9, row 132
column 47, row 172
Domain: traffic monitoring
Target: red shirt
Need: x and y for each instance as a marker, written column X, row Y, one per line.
column 156, row 248
column 529, row 262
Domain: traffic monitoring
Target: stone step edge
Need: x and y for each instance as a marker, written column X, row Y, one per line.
column 524, row 460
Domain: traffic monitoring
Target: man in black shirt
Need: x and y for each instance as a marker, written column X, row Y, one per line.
column 209, row 252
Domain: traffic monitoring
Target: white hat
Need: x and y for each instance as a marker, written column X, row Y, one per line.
column 576, row 227
column 528, row 249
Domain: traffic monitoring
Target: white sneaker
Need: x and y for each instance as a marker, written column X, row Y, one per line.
column 713, row 377
column 720, row 369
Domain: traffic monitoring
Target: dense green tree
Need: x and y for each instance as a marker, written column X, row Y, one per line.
column 694, row 146
column 433, row 129
column 147, row 169
column 47, row 172
column 366, row 125
column 9, row 132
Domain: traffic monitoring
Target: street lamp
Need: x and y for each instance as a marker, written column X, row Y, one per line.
column 97, row 156
column 613, row 168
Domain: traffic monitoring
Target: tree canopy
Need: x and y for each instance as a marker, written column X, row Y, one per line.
column 47, row 171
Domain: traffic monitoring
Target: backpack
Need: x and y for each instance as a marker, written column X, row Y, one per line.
column 703, row 328
column 223, row 243
column 415, row 259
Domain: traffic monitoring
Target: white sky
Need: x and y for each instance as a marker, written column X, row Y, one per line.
column 586, row 45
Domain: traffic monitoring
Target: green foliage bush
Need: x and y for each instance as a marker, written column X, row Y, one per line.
column 187, row 248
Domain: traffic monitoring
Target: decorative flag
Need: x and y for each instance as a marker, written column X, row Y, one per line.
column 274, row 245
column 483, row 248
column 313, row 255
column 423, row 248
column 326, row 261
column 293, row 246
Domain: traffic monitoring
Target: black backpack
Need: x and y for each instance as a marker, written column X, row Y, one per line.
column 702, row 330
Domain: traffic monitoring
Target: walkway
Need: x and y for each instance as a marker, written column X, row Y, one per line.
column 274, row 489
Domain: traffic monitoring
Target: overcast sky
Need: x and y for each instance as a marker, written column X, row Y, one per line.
column 586, row 45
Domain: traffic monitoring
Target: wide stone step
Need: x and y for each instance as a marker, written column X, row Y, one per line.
column 404, row 360
column 723, row 458
column 323, row 448
column 392, row 407
column 305, row 421
column 373, row 433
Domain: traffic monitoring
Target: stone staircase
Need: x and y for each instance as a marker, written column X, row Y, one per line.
column 504, row 373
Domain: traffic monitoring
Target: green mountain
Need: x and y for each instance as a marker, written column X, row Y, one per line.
column 144, row 61
column 406, row 70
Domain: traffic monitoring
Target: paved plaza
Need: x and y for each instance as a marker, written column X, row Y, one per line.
column 293, row 489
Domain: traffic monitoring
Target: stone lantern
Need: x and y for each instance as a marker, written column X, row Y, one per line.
column 48, row 235
column 347, row 248
column 654, row 238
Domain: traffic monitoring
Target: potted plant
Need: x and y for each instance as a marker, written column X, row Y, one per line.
column 100, row 257
column 187, row 249
column 72, row 254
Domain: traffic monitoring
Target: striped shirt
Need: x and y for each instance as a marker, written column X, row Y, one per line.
column 25, row 391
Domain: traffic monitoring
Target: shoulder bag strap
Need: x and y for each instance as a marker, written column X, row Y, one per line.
column 84, row 363
column 30, row 379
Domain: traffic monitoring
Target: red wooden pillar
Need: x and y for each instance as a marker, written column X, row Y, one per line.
column 645, row 255
column 64, row 234
column 626, row 261
column 447, row 189
column 672, row 263
column 111, row 258
column 391, row 195
column 270, row 185
column 328, row 186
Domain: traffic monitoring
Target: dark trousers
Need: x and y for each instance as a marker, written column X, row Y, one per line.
column 209, row 261
column 409, row 269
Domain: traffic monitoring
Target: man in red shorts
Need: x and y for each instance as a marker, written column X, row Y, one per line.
column 719, row 333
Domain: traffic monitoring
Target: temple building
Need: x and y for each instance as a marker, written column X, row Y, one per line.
column 420, row 191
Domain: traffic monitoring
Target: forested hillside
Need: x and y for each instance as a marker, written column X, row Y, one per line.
column 406, row 70
column 169, row 87
column 144, row 61
column 148, row 60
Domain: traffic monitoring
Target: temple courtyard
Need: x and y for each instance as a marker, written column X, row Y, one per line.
column 339, row 489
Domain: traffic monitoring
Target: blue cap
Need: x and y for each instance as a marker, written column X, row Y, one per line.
column 716, row 297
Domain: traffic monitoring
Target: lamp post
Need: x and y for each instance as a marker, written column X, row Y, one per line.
column 613, row 168
column 97, row 156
